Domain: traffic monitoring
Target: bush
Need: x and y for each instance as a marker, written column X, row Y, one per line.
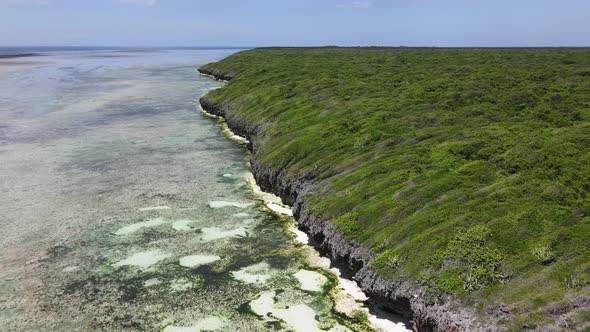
column 468, row 256
column 544, row 254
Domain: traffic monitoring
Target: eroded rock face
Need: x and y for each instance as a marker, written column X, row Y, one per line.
column 401, row 296
column 216, row 75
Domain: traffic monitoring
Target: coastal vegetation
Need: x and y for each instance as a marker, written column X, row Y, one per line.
column 464, row 170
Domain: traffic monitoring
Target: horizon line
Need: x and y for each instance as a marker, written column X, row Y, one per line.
column 278, row 46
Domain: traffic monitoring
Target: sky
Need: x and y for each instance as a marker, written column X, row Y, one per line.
column 251, row 23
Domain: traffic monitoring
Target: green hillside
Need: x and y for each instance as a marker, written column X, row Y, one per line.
column 467, row 170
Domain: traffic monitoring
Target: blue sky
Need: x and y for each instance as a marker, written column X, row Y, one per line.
column 295, row 23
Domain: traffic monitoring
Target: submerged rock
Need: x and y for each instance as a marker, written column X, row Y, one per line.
column 137, row 226
column 310, row 280
column 222, row 204
column 207, row 324
column 254, row 274
column 216, row 233
column 197, row 260
column 143, row 259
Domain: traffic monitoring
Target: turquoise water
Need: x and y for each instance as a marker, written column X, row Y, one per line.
column 124, row 208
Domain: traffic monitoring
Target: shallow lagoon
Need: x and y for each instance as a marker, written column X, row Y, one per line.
column 129, row 210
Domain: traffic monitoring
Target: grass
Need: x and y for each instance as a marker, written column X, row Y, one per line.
column 465, row 169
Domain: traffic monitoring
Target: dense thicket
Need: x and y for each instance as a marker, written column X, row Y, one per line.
column 465, row 169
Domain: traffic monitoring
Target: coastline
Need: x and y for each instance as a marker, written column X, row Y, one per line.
column 400, row 296
column 349, row 298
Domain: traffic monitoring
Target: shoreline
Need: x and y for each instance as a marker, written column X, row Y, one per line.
column 399, row 296
column 349, row 298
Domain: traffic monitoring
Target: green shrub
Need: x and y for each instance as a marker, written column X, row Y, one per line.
column 347, row 223
column 468, row 255
column 389, row 258
column 544, row 254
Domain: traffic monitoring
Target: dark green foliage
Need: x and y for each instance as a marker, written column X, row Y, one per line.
column 347, row 223
column 468, row 262
column 471, row 164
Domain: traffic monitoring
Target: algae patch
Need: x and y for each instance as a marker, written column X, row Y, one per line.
column 184, row 284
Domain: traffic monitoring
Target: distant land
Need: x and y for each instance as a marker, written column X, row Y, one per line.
column 6, row 51
column 18, row 55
